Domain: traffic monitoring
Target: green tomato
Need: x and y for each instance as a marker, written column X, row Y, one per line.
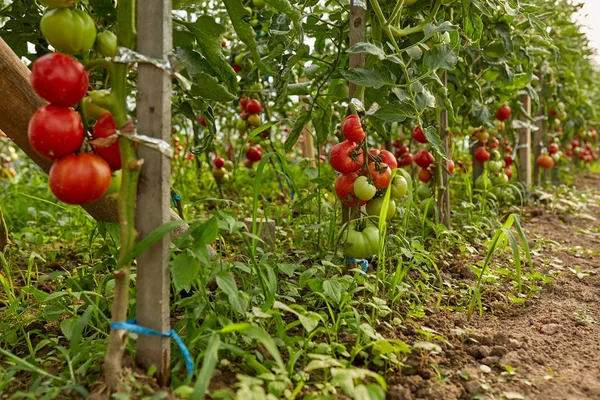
column 106, row 44
column 253, row 22
column 501, row 179
column 494, row 166
column 68, row 30
column 409, row 2
column 258, row 3
column 257, row 87
column 363, row 244
column 399, row 187
column 363, row 189
column 115, row 185
column 495, row 155
column 228, row 165
column 375, row 205
column 423, row 191
column 242, row 125
column 59, row 3
column 427, row 204
column 483, row 182
column 239, row 59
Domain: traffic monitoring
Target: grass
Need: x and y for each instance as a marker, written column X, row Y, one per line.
column 279, row 324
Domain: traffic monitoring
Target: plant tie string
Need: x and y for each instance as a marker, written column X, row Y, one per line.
column 131, row 326
column 364, row 264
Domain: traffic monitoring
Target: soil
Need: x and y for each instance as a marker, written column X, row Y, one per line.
column 547, row 348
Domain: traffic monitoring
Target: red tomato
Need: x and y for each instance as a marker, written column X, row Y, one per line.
column 381, row 174
column 340, row 157
column 553, row 148
column 55, row 131
column 407, row 159
column 508, row 160
column 545, row 161
column 508, row 171
column 243, row 103
column 508, row 149
column 424, row 175
column 503, row 113
column 493, row 142
column 419, row 135
column 424, row 159
column 254, row 153
column 202, row 121
column 352, row 129
column 481, row 154
column 105, row 127
column 451, row 166
column 253, row 107
column 386, row 157
column 79, row 179
column 219, row 162
column 397, row 143
column 59, row 79
column 344, row 188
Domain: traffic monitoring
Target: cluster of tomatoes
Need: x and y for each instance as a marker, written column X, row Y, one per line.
column 178, row 149
column 585, row 153
column 56, row 132
column 364, row 178
column 250, row 110
column 221, row 169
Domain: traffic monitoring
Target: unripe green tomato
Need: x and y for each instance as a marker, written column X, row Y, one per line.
column 218, row 173
column 106, row 44
column 495, row 155
column 483, row 182
column 258, row 3
column 375, row 205
column 68, row 30
column 115, row 185
column 248, row 10
column 239, row 59
column 423, row 191
column 257, row 87
column 253, row 22
column 501, row 179
column 399, row 187
column 363, row 189
column 59, row 3
column 242, row 125
column 409, row 2
column 494, row 166
column 91, row 110
column 228, row 165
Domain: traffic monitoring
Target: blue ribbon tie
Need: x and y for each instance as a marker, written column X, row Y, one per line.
column 131, row 326
column 175, row 198
column 364, row 264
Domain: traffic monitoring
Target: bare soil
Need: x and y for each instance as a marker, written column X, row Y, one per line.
column 547, row 348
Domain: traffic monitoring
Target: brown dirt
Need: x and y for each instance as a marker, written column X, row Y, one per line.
column 546, row 349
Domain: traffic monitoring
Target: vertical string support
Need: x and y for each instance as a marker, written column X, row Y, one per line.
column 524, row 152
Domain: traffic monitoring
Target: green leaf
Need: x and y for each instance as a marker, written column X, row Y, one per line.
column 198, row 236
column 238, row 15
column 441, row 57
column 209, row 363
column 322, row 123
column 370, row 48
column 333, row 290
column 368, row 77
column 209, row 88
column 396, row 112
column 184, row 270
column 67, row 326
column 432, row 135
column 237, row 300
column 259, row 335
column 78, row 328
column 303, row 118
column 285, row 7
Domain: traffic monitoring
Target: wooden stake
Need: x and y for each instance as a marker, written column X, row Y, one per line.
column 153, row 204
column 537, row 141
column 444, row 196
column 524, row 152
column 3, row 233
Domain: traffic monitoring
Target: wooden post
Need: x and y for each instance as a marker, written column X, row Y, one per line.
column 154, row 28
column 537, row 142
column 14, row 120
column 524, row 152
column 444, row 196
column 358, row 25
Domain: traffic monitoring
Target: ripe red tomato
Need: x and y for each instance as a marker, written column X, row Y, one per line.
column 340, row 157
column 508, row 160
column 380, row 173
column 424, row 175
column 202, row 121
column 402, row 150
column 451, row 166
column 219, row 162
column 575, row 143
column 236, row 68
column 553, row 148
column 248, row 163
column 344, row 188
column 243, row 103
column 386, row 157
column 545, row 161
column 407, row 159
column 352, row 129
column 59, row 79
column 419, row 135
column 503, row 113
column 508, row 149
column 55, row 131
column 481, row 154
column 397, row 143
column 253, row 107
column 105, row 127
column 254, row 154
column 508, row 171
column 423, row 159
column 80, row 179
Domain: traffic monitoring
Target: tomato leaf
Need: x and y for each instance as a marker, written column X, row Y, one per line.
column 432, row 135
column 209, row 88
column 184, row 270
column 285, row 7
column 369, row 77
column 303, row 118
column 370, row 48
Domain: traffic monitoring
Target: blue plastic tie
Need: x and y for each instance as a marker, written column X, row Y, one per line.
column 364, row 264
column 131, row 326
column 175, row 198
